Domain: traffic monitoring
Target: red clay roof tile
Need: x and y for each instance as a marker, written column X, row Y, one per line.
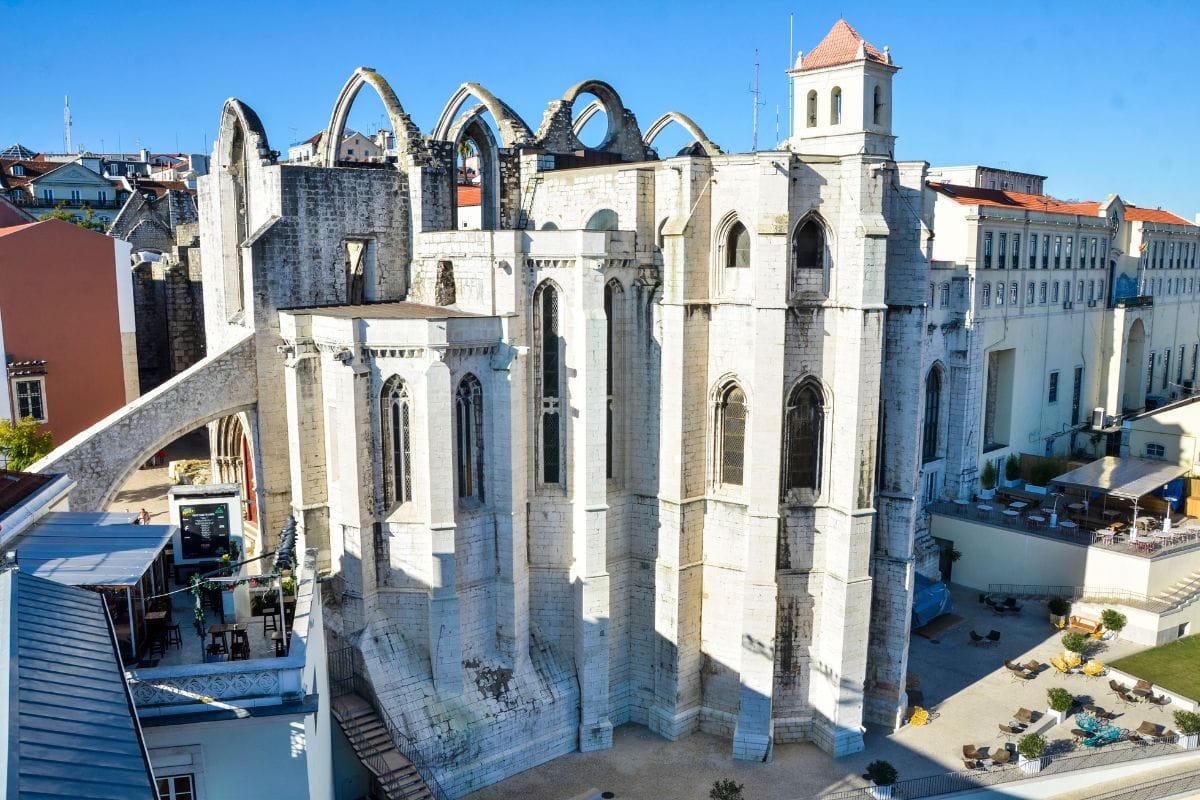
column 840, row 46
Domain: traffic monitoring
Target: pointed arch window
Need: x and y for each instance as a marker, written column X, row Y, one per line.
column 396, row 415
column 878, row 106
column 468, row 434
column 933, row 411
column 835, row 106
column 804, row 423
column 548, row 346
column 812, row 109
column 808, row 246
column 731, row 435
column 737, row 247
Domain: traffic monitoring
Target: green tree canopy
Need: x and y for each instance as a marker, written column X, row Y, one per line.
column 88, row 220
column 24, row 443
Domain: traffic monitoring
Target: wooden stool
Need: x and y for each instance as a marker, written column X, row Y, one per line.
column 270, row 617
column 280, row 643
column 239, row 646
column 174, row 636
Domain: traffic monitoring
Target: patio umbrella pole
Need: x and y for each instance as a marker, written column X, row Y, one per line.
column 132, row 632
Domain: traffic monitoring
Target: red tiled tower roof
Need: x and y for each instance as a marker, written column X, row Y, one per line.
column 840, row 46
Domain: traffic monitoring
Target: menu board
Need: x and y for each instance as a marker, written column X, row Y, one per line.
column 204, row 530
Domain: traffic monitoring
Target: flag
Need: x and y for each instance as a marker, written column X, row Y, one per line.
column 1142, row 247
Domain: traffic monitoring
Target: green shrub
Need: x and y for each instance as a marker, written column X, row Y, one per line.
column 1075, row 642
column 1031, row 746
column 1113, row 620
column 1012, row 467
column 1058, row 606
column 1045, row 471
column 1060, row 699
column 987, row 478
column 882, row 773
column 1188, row 722
column 726, row 790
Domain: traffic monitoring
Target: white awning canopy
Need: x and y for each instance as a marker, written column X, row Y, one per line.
column 1122, row 477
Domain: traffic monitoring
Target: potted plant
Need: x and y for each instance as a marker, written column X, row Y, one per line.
column 883, row 775
column 987, row 480
column 1188, row 723
column 1032, row 751
column 1060, row 701
column 1114, row 622
column 1042, row 473
column 1059, row 608
column 726, row 790
column 1075, row 642
column 1012, row 471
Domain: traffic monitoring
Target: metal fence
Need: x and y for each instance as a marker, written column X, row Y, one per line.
column 1091, row 593
column 348, row 675
column 1152, row 790
column 947, row 783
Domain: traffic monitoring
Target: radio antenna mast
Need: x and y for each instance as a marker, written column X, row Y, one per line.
column 791, row 89
column 66, row 124
column 754, row 144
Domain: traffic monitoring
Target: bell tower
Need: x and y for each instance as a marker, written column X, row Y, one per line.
column 843, row 97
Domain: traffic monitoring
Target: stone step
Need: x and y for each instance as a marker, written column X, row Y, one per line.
column 373, row 745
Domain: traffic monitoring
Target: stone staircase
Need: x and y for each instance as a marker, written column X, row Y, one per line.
column 1182, row 593
column 394, row 775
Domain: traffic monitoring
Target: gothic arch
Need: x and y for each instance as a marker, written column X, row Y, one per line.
column 685, row 122
column 470, row 125
column 238, row 120
column 513, row 130
column 807, row 420
column 557, row 131
column 408, row 138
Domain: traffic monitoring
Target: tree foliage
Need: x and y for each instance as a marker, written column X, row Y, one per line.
column 726, row 790
column 24, row 443
column 88, row 220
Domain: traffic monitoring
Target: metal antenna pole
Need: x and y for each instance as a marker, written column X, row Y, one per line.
column 66, row 123
column 791, row 87
column 754, row 144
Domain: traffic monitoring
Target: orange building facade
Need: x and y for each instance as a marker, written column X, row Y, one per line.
column 66, row 326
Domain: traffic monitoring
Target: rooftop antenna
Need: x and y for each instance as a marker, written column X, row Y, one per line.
column 791, row 88
column 66, row 123
column 777, row 124
column 754, row 91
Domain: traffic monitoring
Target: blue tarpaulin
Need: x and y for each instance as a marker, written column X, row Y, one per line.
column 931, row 599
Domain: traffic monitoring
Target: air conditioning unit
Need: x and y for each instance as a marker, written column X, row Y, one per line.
column 1097, row 418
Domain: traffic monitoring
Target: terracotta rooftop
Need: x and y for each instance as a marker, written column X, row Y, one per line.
column 1153, row 215
column 975, row 196
column 469, row 195
column 841, row 46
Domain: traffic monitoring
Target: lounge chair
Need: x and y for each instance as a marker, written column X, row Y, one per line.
column 1011, row 730
column 1073, row 660
column 994, row 637
column 1011, row 604
column 1160, row 701
column 976, row 639
column 1001, row 757
column 1014, row 667
column 1025, row 716
column 1144, row 686
column 1059, row 665
column 1093, row 668
column 1117, row 686
column 971, row 754
column 1034, row 667
column 1148, row 730
column 1079, row 734
column 970, row 764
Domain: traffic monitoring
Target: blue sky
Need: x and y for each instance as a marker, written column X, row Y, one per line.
column 1100, row 96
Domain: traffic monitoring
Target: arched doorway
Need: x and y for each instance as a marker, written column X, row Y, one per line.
column 233, row 462
column 1133, row 394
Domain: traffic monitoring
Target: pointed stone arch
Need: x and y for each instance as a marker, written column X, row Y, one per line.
column 512, row 129
column 557, row 131
column 240, row 125
column 471, row 125
column 408, row 137
column 682, row 120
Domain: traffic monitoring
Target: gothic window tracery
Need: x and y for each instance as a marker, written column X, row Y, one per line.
column 804, row 422
column 396, row 416
column 730, row 427
column 468, row 434
column 548, row 349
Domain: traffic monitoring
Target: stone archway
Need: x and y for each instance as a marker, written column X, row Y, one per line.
column 408, row 137
column 685, row 122
column 1133, row 388
column 103, row 457
column 512, row 129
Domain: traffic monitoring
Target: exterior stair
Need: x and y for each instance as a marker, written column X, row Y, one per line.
column 395, row 777
column 1183, row 593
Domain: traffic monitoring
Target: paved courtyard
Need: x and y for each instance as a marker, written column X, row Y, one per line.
column 967, row 688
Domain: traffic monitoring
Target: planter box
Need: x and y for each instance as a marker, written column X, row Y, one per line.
column 987, row 494
column 881, row 792
column 1057, row 716
column 1031, row 766
column 1033, row 489
column 1189, row 741
column 1013, row 484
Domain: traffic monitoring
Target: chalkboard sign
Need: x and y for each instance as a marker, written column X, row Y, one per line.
column 204, row 530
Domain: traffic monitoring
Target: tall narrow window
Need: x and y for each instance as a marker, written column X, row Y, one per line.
column 1002, row 251
column 613, row 295
column 1076, row 396
column 1093, row 264
column 944, row 295
column 1166, row 377
column 804, row 424
column 731, row 435
column 1057, row 251
column 1070, row 255
column 933, row 410
column 808, row 246
column 1179, row 376
column 1046, row 251
column 1016, row 251
column 835, row 106
column 1150, row 374
column 1042, row 293
column 812, row 109
column 986, row 295
column 395, row 413
column 1033, row 251
column 468, row 433
column 549, row 373
column 737, row 247
column 877, row 105
column 1195, row 359
column 987, row 250
column 1052, row 394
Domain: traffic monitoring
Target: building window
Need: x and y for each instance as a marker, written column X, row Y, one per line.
column 1042, row 293
column 1016, row 251
column 1046, row 251
column 1033, row 251
column 1179, row 376
column 1079, row 292
column 987, row 250
column 102, row 197
column 1093, row 252
column 1052, row 395
column 468, row 434
column 835, row 106
column 808, row 246
column 1077, row 396
column 76, row 196
column 1091, row 291
column 1002, row 251
column 30, row 394
column 1166, row 376
column 549, row 372
column 731, row 435
column 1070, row 255
column 877, row 106
column 396, row 415
column 987, row 295
column 1013, row 294
column 613, row 295
column 1000, row 287
column 1150, row 375
column 1057, row 251
column 18, row 170
column 1030, row 291
column 737, row 247
column 603, row 220
column 933, row 410
column 804, row 427
column 1054, row 293
column 176, row 787
column 944, row 295
column 812, row 109
column 48, row 195
column 1155, row 450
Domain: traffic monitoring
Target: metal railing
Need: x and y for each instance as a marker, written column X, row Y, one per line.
column 1089, row 593
column 1152, row 790
column 347, row 675
column 950, row 782
column 41, row 202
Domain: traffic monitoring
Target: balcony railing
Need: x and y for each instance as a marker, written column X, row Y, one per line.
column 41, row 202
column 1137, row 300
